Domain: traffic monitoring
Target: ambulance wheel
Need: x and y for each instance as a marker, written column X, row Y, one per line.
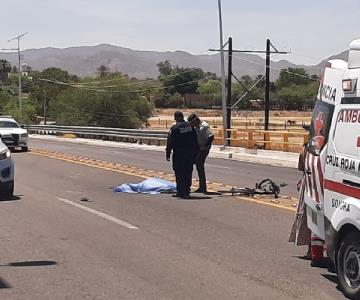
column 348, row 264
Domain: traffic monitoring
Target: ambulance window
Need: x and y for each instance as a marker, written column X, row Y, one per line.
column 347, row 132
column 350, row 100
column 320, row 126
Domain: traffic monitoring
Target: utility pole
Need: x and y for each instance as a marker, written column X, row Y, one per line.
column 19, row 71
column 268, row 52
column 229, row 90
column 223, row 86
column 44, row 106
column 267, row 85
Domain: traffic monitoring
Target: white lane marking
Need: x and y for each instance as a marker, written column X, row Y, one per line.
column 100, row 214
column 219, row 167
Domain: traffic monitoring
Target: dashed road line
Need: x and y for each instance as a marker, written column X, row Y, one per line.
column 100, row 214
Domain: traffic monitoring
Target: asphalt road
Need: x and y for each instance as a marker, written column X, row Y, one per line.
column 122, row 246
column 232, row 172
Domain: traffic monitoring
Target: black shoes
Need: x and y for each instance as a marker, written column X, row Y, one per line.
column 182, row 196
column 200, row 190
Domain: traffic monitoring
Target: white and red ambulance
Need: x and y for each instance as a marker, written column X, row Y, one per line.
column 332, row 168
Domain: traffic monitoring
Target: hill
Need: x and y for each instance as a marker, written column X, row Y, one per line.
column 84, row 61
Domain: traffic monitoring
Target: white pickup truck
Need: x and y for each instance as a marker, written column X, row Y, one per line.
column 12, row 134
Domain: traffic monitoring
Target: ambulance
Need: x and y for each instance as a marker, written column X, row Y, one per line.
column 332, row 168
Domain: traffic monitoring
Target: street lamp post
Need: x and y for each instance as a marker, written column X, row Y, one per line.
column 223, row 87
column 19, row 70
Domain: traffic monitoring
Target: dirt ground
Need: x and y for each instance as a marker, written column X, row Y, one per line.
column 164, row 113
column 279, row 120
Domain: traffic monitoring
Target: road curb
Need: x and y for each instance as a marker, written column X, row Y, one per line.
column 265, row 157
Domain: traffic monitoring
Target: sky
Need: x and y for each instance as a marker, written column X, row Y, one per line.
column 311, row 29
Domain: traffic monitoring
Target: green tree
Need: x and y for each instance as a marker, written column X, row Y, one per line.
column 44, row 86
column 118, row 103
column 182, row 80
column 296, row 97
column 5, row 68
column 293, row 76
column 102, row 71
column 165, row 68
column 210, row 88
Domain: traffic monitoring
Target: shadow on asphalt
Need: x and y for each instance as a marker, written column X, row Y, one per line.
column 4, row 284
column 331, row 277
column 334, row 279
column 325, row 263
column 303, row 257
column 197, row 198
column 31, row 263
column 12, row 198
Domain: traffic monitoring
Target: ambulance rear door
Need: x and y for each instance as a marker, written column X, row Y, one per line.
column 315, row 166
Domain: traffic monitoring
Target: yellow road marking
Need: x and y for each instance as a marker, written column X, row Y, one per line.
column 268, row 203
column 90, row 165
column 52, row 155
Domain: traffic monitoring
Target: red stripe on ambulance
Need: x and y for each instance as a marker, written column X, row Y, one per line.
column 341, row 188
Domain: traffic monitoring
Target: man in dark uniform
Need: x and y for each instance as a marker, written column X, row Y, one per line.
column 182, row 140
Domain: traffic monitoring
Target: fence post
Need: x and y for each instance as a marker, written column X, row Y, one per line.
column 306, row 138
column 235, row 137
column 286, row 140
column 267, row 146
column 250, row 140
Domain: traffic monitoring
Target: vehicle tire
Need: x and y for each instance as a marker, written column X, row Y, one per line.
column 9, row 192
column 348, row 265
column 24, row 149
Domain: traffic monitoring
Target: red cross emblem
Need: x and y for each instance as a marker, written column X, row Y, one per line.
column 318, row 126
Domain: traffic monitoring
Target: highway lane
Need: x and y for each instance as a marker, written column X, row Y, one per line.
column 220, row 170
column 218, row 248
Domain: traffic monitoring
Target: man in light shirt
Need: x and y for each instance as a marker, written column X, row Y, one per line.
column 205, row 138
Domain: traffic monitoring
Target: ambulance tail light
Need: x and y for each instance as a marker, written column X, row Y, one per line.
column 328, row 65
column 349, row 85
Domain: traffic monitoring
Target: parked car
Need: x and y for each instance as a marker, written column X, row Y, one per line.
column 6, row 171
column 12, row 134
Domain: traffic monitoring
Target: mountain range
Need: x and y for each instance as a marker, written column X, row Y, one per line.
column 84, row 61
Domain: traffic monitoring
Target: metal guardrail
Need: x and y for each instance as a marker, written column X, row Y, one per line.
column 251, row 139
column 103, row 133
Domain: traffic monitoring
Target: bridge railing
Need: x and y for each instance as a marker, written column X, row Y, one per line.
column 288, row 141
column 103, row 133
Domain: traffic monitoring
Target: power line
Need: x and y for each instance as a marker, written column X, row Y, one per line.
column 122, row 91
column 135, row 83
column 278, row 69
